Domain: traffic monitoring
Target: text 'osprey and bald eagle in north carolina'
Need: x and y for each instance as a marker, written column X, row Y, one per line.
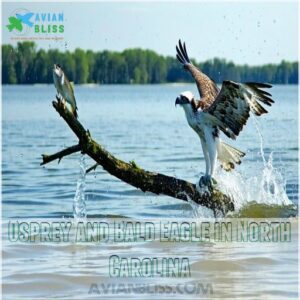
column 226, row 110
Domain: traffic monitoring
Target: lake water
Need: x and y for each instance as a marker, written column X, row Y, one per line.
column 141, row 123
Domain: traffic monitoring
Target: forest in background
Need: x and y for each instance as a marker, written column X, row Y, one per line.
column 25, row 64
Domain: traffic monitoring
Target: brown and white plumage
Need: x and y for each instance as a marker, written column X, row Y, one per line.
column 232, row 106
column 208, row 90
column 64, row 88
column 227, row 110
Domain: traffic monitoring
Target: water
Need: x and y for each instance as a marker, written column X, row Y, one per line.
column 137, row 123
column 79, row 205
column 140, row 123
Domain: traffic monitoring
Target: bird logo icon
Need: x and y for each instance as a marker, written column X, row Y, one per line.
column 19, row 20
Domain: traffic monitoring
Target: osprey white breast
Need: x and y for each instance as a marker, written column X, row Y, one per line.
column 226, row 110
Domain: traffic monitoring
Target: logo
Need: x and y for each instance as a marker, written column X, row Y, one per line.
column 23, row 22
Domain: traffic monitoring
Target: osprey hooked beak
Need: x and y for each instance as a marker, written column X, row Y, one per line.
column 181, row 100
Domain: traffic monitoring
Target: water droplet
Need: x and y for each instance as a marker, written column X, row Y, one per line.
column 79, row 205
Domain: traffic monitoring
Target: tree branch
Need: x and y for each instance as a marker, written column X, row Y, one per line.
column 59, row 155
column 146, row 181
column 92, row 168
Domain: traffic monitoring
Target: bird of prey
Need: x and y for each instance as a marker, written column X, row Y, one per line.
column 64, row 88
column 226, row 110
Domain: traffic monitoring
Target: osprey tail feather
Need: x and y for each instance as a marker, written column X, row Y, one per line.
column 228, row 156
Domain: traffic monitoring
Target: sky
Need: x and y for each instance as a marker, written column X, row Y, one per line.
column 251, row 33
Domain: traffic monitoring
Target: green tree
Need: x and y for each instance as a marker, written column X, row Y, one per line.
column 41, row 66
column 24, row 64
column 8, row 65
column 90, row 57
column 81, row 66
column 25, row 55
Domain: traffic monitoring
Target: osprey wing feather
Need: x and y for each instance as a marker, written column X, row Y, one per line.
column 227, row 110
column 231, row 108
column 208, row 90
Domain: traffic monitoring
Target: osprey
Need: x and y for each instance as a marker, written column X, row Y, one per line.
column 226, row 110
column 64, row 89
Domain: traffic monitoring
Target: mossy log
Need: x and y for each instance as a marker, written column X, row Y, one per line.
column 132, row 174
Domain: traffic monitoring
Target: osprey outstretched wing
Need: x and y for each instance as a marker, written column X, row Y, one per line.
column 227, row 110
column 207, row 88
column 231, row 108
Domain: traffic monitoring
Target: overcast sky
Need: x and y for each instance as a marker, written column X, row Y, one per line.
column 252, row 33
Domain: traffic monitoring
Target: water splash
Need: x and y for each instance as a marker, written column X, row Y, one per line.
column 261, row 140
column 79, row 205
column 267, row 186
column 199, row 211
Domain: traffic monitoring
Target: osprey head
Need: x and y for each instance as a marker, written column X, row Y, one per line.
column 58, row 74
column 184, row 98
column 57, row 70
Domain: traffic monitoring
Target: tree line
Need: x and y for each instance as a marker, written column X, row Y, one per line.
column 24, row 64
